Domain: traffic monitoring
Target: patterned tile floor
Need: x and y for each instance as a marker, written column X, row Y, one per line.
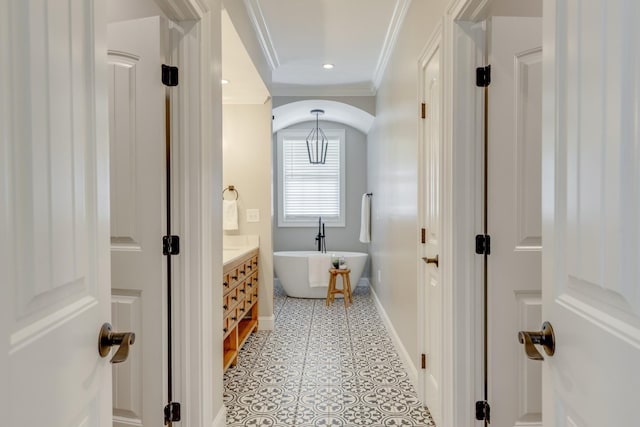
column 322, row 366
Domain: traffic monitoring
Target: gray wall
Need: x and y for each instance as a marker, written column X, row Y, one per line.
column 337, row 238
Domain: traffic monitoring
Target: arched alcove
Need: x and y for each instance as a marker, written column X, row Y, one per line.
column 300, row 111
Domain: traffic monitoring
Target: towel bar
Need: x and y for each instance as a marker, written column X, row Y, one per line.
column 230, row 188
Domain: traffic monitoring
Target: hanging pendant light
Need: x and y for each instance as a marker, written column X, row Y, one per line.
column 317, row 143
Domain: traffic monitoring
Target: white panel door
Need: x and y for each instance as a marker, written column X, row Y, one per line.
column 513, row 213
column 138, row 203
column 54, row 214
column 591, row 212
column 430, row 272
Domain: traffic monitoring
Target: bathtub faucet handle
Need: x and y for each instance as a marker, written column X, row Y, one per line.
column 320, row 237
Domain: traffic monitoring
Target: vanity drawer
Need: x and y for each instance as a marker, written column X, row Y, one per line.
column 226, row 283
column 254, row 299
column 249, row 267
column 244, row 270
column 243, row 290
column 225, row 304
column 243, row 309
column 233, row 318
column 235, row 276
column 242, row 294
column 240, row 273
column 233, row 297
column 225, row 325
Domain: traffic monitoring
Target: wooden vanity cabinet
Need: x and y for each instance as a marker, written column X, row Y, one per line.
column 239, row 304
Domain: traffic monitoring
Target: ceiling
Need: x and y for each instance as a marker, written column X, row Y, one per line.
column 298, row 36
column 244, row 83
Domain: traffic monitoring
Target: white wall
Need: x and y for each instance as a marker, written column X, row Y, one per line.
column 393, row 175
column 247, row 148
column 337, row 238
column 211, row 123
column 123, row 10
column 516, row 8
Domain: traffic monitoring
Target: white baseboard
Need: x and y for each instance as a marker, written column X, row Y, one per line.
column 412, row 371
column 266, row 323
column 221, row 419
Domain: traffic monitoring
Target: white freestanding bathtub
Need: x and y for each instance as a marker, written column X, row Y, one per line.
column 291, row 267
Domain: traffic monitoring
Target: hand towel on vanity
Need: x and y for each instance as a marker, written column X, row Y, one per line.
column 229, row 215
column 319, row 266
column 365, row 219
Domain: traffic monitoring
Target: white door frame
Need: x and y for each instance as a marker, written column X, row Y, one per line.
column 197, row 170
column 199, row 176
column 200, row 162
column 434, row 45
column 201, row 220
column 464, row 50
column 462, row 45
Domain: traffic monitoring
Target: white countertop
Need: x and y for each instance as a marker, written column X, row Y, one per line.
column 235, row 247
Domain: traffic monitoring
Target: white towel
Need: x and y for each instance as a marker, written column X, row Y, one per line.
column 229, row 215
column 365, row 219
column 319, row 266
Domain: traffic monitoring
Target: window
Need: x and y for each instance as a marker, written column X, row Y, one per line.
column 306, row 191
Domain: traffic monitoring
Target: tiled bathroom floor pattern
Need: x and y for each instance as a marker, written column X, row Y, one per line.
column 322, row 366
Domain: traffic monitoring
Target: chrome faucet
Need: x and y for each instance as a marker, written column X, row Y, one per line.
column 322, row 246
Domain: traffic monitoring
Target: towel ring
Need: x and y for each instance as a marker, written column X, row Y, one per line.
column 230, row 188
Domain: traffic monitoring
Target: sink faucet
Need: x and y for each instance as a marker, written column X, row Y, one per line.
column 322, row 246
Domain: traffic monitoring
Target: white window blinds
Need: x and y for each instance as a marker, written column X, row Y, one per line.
column 309, row 191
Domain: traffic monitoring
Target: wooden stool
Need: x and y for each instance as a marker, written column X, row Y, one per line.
column 346, row 286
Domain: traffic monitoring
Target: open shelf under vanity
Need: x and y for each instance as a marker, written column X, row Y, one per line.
column 240, row 303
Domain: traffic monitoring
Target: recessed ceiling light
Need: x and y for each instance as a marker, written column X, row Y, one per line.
column 327, row 66
column 224, row 82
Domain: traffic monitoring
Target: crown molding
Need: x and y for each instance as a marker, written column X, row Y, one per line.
column 279, row 89
column 262, row 31
column 183, row 10
column 395, row 23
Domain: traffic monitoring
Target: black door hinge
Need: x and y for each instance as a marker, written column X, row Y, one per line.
column 172, row 413
column 483, row 411
column 169, row 75
column 423, row 235
column 424, row 361
column 483, row 244
column 170, row 245
column 483, row 76
column 423, row 111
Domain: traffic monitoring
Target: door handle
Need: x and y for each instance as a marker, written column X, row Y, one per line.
column 107, row 339
column 433, row 260
column 545, row 338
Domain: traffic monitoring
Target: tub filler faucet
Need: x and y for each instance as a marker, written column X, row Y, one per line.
column 322, row 246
